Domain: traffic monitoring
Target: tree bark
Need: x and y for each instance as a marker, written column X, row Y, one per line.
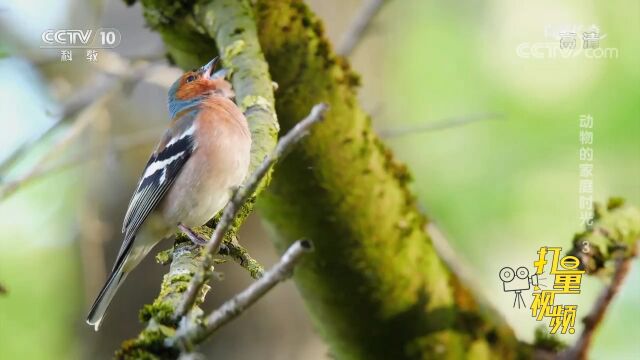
column 375, row 286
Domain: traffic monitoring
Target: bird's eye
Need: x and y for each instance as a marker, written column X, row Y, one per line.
column 191, row 78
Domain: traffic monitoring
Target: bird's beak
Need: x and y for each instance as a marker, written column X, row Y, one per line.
column 208, row 69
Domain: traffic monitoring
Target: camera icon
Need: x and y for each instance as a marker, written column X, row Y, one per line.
column 517, row 281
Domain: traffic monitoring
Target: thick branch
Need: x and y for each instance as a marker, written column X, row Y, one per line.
column 375, row 286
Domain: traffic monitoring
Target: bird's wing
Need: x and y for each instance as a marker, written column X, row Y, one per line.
column 173, row 151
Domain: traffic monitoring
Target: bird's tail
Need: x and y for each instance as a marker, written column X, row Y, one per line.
column 105, row 296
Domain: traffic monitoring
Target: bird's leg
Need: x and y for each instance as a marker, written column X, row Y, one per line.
column 192, row 235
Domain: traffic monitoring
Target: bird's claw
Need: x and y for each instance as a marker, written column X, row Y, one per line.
column 192, row 235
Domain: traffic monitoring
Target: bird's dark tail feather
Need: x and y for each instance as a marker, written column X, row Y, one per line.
column 105, row 296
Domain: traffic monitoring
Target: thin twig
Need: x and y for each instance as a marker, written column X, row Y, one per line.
column 359, row 27
column 121, row 144
column 452, row 258
column 241, row 196
column 17, row 153
column 229, row 248
column 78, row 101
column 241, row 256
column 439, row 125
column 42, row 166
column 100, row 93
column 107, row 80
column 193, row 333
column 594, row 318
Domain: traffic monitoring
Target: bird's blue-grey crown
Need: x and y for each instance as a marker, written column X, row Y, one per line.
column 205, row 72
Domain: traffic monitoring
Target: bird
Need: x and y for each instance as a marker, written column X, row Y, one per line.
column 201, row 158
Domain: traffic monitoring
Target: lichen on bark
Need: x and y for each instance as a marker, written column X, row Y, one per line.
column 344, row 189
column 613, row 234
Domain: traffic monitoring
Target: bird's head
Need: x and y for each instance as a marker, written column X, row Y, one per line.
column 198, row 84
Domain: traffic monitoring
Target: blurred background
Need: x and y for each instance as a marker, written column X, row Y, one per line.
column 499, row 187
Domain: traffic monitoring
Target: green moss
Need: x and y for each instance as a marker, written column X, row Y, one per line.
column 233, row 49
column 546, row 341
column 614, row 203
column 164, row 257
column 233, row 249
column 160, row 311
column 148, row 345
column 615, row 229
column 344, row 189
column 181, row 278
column 162, row 14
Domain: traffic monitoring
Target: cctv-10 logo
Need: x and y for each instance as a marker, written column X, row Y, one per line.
column 103, row 38
column 567, row 279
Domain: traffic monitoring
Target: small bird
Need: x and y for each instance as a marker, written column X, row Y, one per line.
column 190, row 176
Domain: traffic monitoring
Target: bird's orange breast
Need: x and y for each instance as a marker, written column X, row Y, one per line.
column 218, row 111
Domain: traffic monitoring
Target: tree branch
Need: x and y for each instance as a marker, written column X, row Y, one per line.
column 438, row 125
column 230, row 248
column 592, row 321
column 613, row 238
column 241, row 256
column 355, row 196
column 85, row 118
column 191, row 333
column 359, row 27
column 127, row 71
column 80, row 105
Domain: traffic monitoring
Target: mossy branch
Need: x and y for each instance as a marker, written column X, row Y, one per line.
column 613, row 234
column 608, row 245
column 241, row 256
column 402, row 301
column 191, row 333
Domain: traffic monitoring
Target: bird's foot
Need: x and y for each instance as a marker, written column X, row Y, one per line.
column 192, row 235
